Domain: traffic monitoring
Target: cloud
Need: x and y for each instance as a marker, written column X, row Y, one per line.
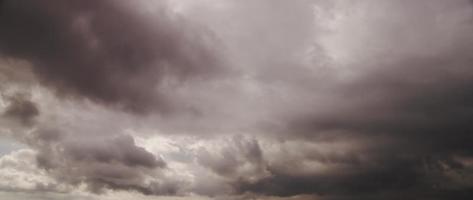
column 239, row 158
column 121, row 149
column 22, row 109
column 328, row 100
column 410, row 104
column 104, row 163
column 74, row 154
column 112, row 52
column 20, row 174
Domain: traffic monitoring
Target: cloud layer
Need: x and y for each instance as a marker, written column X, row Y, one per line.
column 268, row 99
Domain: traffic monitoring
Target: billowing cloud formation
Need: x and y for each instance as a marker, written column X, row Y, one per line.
column 326, row 100
column 66, row 157
column 104, row 164
column 115, row 52
column 19, row 173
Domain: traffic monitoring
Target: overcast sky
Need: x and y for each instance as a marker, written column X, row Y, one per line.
column 236, row 99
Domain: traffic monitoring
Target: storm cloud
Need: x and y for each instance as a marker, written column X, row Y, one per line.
column 303, row 99
column 113, row 52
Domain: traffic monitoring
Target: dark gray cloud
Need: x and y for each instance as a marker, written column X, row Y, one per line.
column 120, row 149
column 104, row 163
column 114, row 52
column 414, row 111
column 416, row 114
column 22, row 109
column 335, row 100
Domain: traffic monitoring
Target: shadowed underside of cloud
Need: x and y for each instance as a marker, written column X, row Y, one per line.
column 21, row 109
column 110, row 163
column 113, row 52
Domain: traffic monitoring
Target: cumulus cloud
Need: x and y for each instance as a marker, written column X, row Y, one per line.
column 108, row 163
column 19, row 173
column 73, row 158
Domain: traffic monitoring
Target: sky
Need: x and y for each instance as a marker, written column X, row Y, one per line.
column 236, row 99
